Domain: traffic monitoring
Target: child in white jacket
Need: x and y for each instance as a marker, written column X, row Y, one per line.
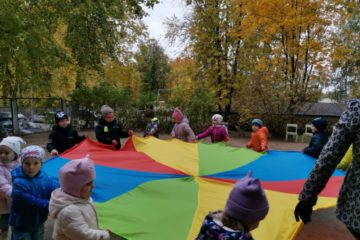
column 9, row 159
column 71, row 205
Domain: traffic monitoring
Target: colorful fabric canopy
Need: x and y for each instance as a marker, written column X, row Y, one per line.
column 156, row 189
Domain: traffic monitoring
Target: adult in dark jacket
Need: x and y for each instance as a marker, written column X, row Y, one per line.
column 108, row 131
column 62, row 136
column 319, row 138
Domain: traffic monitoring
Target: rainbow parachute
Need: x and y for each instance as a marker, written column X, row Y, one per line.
column 156, row 189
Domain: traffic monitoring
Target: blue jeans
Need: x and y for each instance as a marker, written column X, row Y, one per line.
column 37, row 234
column 4, row 222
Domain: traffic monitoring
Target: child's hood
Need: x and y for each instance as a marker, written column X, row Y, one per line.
column 11, row 165
column 59, row 200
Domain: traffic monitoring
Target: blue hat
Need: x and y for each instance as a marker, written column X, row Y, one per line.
column 320, row 123
column 257, row 122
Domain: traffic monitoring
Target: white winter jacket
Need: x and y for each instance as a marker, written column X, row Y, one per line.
column 75, row 218
column 6, row 185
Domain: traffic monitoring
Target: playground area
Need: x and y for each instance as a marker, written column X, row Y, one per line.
column 324, row 223
column 277, row 73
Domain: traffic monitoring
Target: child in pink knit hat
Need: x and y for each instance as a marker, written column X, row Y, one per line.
column 182, row 129
column 71, row 205
column 246, row 206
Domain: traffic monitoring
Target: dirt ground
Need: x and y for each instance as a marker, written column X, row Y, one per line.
column 324, row 224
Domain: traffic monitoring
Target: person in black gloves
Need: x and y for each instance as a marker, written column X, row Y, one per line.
column 319, row 138
column 348, row 205
column 62, row 136
column 108, row 131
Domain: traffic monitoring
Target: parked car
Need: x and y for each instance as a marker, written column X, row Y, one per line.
column 44, row 117
column 25, row 126
column 38, row 118
column 6, row 119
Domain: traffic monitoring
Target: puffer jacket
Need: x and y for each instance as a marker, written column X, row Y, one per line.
column 30, row 199
column 63, row 139
column 183, row 131
column 213, row 229
column 6, row 185
column 217, row 133
column 75, row 218
column 317, row 142
column 259, row 140
column 106, row 132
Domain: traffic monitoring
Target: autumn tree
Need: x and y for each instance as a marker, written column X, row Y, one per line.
column 346, row 58
column 28, row 53
column 299, row 40
column 152, row 63
column 39, row 38
column 208, row 33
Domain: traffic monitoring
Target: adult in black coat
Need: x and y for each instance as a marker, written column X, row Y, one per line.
column 62, row 136
column 109, row 131
column 319, row 138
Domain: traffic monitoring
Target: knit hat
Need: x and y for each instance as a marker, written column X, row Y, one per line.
column 14, row 143
column 247, row 201
column 257, row 122
column 105, row 110
column 320, row 123
column 178, row 115
column 60, row 115
column 32, row 151
column 76, row 174
column 218, row 118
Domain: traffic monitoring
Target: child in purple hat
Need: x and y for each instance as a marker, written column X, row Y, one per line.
column 246, row 206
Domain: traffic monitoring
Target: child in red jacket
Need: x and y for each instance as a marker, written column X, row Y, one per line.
column 259, row 137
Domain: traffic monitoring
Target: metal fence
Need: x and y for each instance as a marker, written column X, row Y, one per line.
column 33, row 114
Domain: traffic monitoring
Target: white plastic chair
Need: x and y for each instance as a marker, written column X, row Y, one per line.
column 308, row 132
column 291, row 130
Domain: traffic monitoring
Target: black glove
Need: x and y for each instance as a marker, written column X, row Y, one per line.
column 303, row 211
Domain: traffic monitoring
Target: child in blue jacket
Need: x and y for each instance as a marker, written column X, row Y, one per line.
column 319, row 138
column 31, row 194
